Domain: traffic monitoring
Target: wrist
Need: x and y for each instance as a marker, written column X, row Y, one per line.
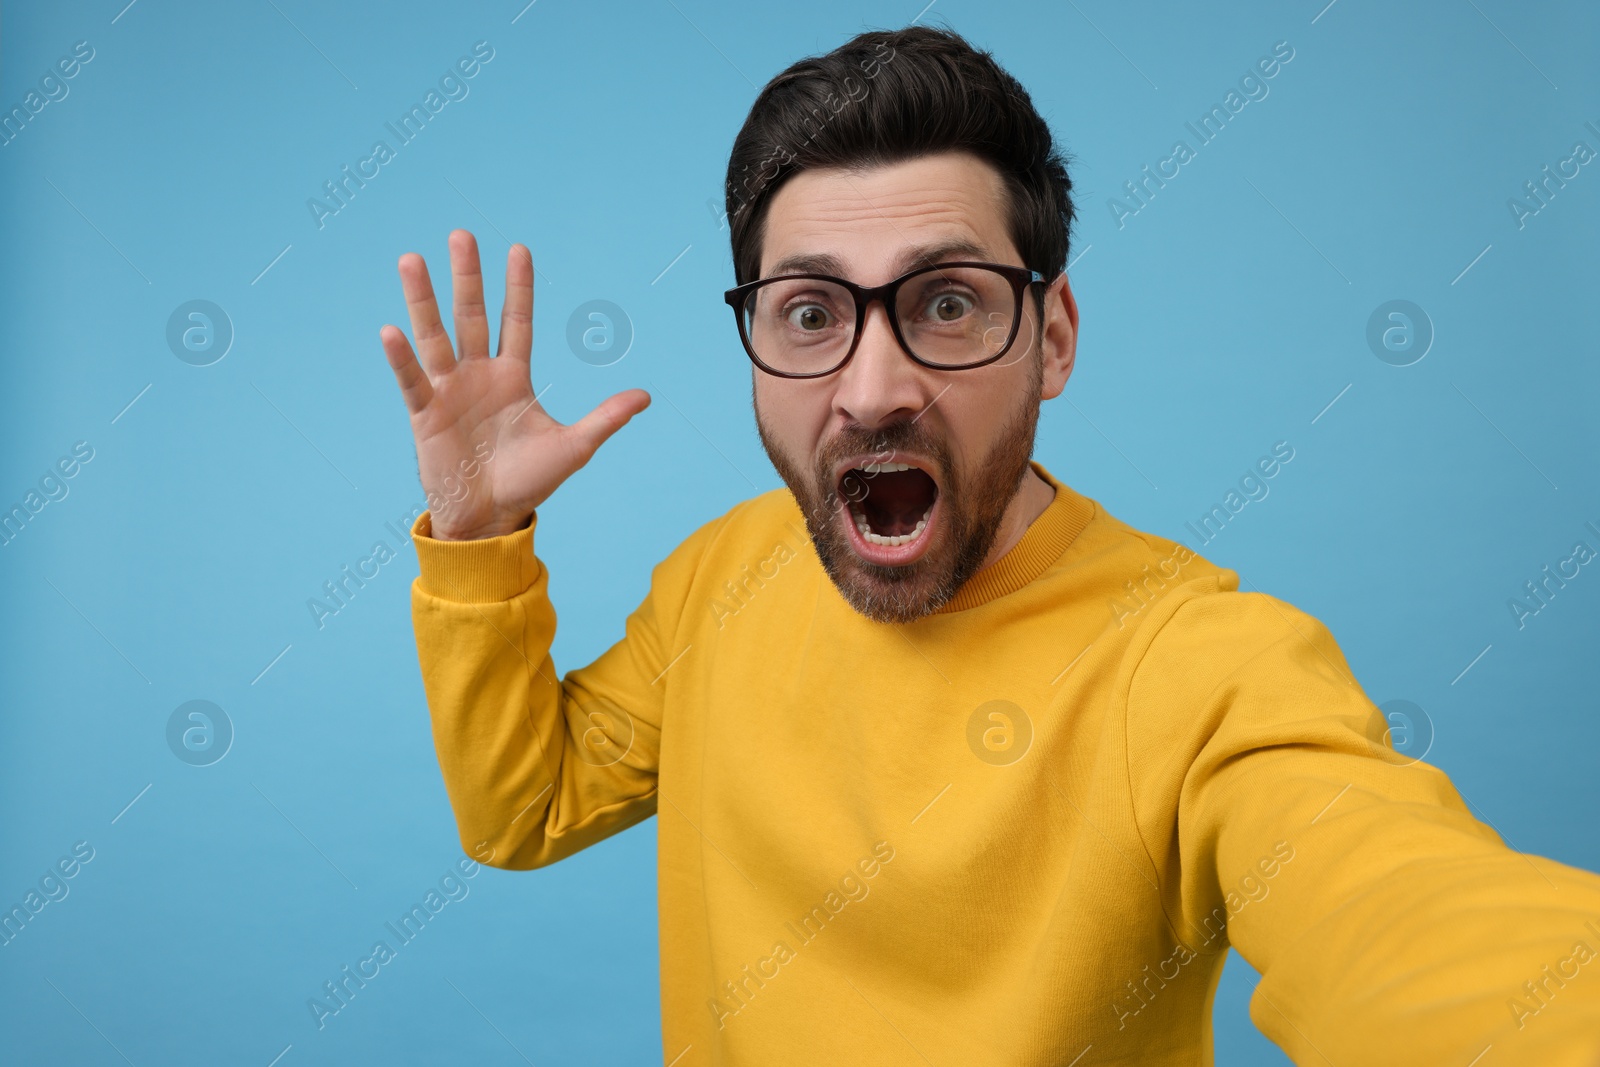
column 440, row 531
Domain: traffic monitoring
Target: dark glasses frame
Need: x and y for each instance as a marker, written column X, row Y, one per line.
column 1019, row 277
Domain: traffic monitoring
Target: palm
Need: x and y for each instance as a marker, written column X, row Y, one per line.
column 485, row 446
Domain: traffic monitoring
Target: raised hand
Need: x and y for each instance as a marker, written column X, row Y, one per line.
column 465, row 406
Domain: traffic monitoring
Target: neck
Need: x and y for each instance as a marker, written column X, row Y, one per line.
column 1027, row 504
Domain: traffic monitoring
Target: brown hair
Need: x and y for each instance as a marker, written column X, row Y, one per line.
column 891, row 95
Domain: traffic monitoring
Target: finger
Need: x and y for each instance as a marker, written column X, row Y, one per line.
column 466, row 286
column 613, row 413
column 516, row 319
column 433, row 344
column 415, row 388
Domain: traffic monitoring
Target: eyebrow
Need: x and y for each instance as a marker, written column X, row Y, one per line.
column 921, row 256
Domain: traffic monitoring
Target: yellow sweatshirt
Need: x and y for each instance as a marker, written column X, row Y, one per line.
column 1022, row 830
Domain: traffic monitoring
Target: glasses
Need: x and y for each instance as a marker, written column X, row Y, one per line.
column 949, row 316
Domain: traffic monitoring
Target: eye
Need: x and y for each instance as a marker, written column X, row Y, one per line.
column 948, row 307
column 808, row 317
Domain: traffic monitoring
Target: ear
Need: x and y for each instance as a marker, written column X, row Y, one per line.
column 1059, row 345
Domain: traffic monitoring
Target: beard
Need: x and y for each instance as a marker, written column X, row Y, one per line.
column 973, row 500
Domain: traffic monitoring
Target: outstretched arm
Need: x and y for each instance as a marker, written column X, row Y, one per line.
column 1390, row 925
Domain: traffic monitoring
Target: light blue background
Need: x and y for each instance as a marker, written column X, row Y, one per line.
column 1220, row 319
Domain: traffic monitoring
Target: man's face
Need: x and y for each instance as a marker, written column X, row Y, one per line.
column 897, row 543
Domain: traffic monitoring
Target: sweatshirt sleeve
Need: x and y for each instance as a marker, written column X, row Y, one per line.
column 1390, row 925
column 536, row 765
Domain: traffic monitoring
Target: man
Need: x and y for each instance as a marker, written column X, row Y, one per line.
column 951, row 766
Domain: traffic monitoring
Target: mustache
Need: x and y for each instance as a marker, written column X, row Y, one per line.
column 884, row 442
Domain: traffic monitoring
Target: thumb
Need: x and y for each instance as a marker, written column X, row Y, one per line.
column 609, row 416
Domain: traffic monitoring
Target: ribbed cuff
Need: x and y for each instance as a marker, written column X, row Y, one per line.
column 487, row 570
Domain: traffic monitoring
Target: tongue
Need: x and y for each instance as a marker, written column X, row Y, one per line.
column 896, row 500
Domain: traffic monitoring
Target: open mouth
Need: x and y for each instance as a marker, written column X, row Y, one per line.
column 890, row 507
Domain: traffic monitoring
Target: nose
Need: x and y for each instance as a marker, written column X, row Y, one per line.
column 880, row 385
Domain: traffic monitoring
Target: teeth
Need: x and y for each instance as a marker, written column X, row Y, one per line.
column 878, row 539
column 885, row 468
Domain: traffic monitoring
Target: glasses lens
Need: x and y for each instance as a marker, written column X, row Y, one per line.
column 957, row 315
column 800, row 325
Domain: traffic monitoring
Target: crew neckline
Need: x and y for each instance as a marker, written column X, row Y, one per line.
column 1041, row 544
